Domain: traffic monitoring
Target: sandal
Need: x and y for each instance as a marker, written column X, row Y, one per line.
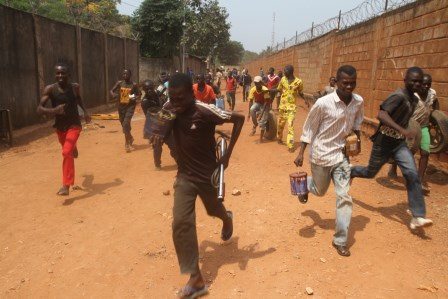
column 63, row 191
column 227, row 236
column 189, row 292
column 342, row 249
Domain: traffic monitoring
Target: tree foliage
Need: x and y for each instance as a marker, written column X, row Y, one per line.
column 159, row 26
column 100, row 15
column 231, row 53
column 207, row 28
column 266, row 51
column 249, row 56
column 165, row 25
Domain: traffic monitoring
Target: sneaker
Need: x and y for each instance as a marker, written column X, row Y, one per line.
column 420, row 222
column 127, row 148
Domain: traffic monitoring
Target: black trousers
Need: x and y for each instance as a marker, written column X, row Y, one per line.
column 125, row 114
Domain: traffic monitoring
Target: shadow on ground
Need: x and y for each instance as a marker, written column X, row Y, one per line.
column 395, row 213
column 395, row 184
column 92, row 189
column 226, row 254
column 358, row 223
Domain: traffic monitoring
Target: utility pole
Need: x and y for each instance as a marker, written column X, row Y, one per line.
column 184, row 24
column 273, row 31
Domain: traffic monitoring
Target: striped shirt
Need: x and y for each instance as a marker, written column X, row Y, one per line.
column 328, row 123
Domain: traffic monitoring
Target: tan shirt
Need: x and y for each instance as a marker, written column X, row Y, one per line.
column 423, row 109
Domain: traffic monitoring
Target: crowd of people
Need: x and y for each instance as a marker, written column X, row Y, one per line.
column 198, row 105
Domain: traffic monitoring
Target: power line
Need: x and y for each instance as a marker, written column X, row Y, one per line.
column 129, row 4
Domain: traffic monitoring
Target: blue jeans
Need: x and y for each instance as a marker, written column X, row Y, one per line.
column 384, row 148
column 258, row 108
column 318, row 184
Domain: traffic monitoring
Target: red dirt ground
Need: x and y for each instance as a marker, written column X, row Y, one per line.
column 113, row 238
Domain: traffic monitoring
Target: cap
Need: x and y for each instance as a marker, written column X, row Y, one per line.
column 258, row 79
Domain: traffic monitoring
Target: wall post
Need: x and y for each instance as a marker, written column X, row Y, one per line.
column 79, row 58
column 106, row 67
column 125, row 53
column 38, row 55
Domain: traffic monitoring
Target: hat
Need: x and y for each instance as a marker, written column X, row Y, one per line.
column 258, row 79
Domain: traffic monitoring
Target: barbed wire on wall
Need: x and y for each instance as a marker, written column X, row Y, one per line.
column 367, row 10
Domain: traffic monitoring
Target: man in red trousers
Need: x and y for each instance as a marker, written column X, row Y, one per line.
column 65, row 98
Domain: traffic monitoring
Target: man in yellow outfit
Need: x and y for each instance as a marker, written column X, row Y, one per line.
column 290, row 88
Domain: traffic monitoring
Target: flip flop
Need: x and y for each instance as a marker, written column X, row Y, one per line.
column 226, row 237
column 189, row 292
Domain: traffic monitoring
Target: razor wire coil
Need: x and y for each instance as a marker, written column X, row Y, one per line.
column 365, row 11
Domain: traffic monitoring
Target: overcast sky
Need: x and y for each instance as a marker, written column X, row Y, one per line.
column 252, row 19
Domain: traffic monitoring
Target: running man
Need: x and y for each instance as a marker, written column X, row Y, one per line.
column 151, row 102
column 272, row 81
column 218, row 77
column 331, row 119
column 427, row 96
column 231, row 86
column 65, row 97
column 194, row 135
column 389, row 142
column 329, row 88
column 209, row 82
column 246, row 81
column 290, row 87
column 128, row 94
column 204, row 92
column 260, row 95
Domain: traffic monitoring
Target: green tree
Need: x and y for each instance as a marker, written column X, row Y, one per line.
column 100, row 15
column 159, row 25
column 266, row 52
column 249, row 56
column 207, row 28
column 231, row 53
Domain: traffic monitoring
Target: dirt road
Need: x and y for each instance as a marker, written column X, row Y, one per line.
column 113, row 238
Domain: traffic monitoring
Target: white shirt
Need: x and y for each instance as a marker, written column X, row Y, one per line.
column 329, row 122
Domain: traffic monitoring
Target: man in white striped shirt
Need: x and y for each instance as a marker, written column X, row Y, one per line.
column 331, row 119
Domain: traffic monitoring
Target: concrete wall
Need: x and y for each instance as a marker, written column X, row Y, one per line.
column 18, row 69
column 381, row 49
column 30, row 46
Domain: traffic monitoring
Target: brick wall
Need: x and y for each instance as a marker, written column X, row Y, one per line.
column 381, row 49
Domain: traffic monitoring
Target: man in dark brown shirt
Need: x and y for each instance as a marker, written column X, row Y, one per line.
column 194, row 136
column 389, row 142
